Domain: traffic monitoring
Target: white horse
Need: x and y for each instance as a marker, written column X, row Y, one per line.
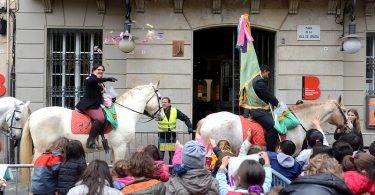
column 48, row 124
column 13, row 116
column 227, row 126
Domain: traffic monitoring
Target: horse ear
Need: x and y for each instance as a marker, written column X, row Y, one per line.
column 157, row 84
column 27, row 104
column 339, row 100
column 16, row 106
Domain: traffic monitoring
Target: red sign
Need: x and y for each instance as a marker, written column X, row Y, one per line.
column 310, row 88
column 2, row 86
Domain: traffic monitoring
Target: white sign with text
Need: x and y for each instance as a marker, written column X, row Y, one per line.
column 308, row 32
column 234, row 164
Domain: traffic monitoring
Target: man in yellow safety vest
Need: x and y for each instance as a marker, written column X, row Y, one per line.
column 167, row 128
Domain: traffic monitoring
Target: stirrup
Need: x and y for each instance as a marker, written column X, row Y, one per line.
column 91, row 145
column 105, row 144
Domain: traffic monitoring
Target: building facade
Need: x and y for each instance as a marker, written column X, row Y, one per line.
column 7, row 18
column 58, row 40
column 7, row 62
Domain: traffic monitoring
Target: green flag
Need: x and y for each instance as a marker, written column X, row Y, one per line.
column 249, row 67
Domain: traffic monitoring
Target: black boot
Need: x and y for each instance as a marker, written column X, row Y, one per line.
column 94, row 132
column 271, row 139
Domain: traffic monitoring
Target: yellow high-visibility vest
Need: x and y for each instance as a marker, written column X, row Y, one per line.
column 166, row 125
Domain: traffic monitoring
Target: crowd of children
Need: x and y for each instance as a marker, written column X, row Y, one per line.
column 317, row 169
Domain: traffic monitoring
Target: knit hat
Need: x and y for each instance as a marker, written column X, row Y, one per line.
column 194, row 155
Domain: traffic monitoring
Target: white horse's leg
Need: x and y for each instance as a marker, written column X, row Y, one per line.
column 297, row 135
column 120, row 151
column 37, row 153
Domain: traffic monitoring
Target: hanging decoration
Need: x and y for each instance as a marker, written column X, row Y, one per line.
column 116, row 39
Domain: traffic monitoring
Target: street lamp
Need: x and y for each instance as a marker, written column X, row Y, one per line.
column 350, row 43
column 126, row 44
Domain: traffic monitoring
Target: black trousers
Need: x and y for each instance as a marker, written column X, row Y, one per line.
column 264, row 118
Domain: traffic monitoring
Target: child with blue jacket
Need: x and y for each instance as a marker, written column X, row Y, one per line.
column 283, row 162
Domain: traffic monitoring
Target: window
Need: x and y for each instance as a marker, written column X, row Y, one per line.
column 370, row 64
column 70, row 58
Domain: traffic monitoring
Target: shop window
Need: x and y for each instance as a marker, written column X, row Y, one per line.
column 71, row 54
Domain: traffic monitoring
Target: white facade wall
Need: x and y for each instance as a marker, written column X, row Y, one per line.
column 339, row 73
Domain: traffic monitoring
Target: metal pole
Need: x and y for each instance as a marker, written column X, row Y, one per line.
column 372, row 64
column 233, row 58
column 128, row 21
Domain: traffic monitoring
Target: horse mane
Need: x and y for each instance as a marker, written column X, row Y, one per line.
column 131, row 92
column 304, row 105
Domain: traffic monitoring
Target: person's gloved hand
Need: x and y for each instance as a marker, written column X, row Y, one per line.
column 190, row 130
column 111, row 79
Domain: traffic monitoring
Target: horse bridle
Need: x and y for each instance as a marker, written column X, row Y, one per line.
column 145, row 113
column 8, row 132
column 343, row 115
column 152, row 116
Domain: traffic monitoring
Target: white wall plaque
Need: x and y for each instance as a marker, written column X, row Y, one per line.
column 308, row 32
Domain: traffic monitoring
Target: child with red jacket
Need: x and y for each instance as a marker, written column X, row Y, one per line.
column 356, row 173
column 46, row 168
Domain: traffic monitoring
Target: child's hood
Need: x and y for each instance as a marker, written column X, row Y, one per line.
column 285, row 160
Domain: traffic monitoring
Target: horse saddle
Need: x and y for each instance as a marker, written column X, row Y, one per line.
column 81, row 124
column 258, row 133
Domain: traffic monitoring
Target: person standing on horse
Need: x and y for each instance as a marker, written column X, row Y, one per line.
column 91, row 101
column 261, row 115
column 167, row 126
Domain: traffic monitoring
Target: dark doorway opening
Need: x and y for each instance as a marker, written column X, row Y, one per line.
column 216, row 77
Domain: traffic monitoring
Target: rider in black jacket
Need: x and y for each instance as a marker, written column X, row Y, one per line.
column 262, row 116
column 92, row 98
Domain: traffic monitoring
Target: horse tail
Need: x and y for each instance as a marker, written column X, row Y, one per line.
column 199, row 125
column 26, row 152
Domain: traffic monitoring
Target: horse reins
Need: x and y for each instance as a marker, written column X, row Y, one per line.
column 342, row 114
column 151, row 116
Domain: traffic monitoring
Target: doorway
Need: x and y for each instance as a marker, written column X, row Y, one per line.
column 216, row 76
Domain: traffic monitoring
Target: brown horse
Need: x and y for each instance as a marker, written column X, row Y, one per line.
column 227, row 126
